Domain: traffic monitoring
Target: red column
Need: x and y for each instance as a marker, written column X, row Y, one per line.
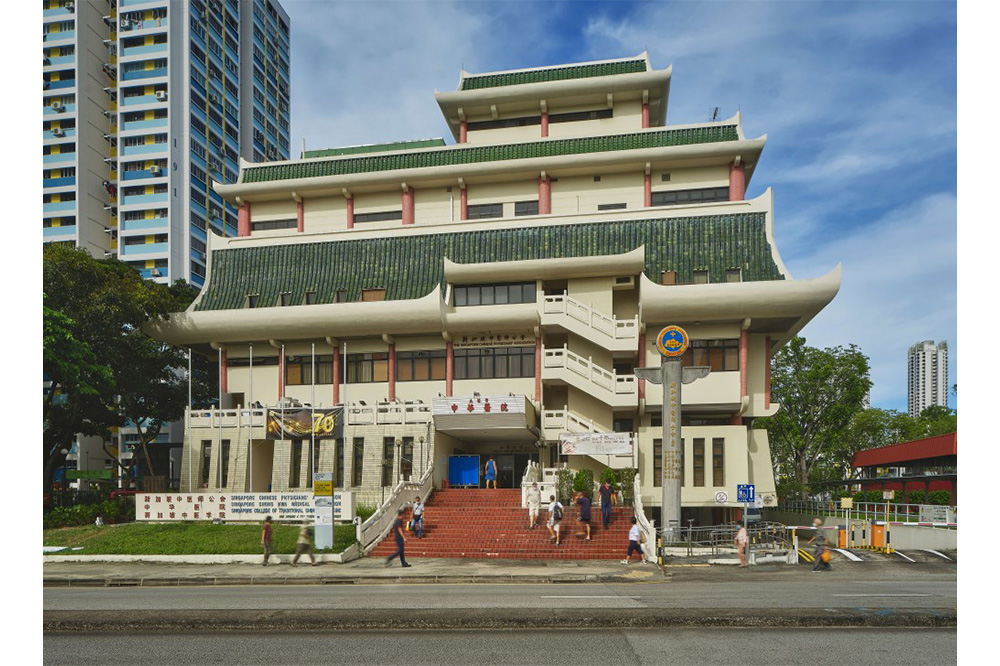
column 544, row 196
column 737, row 182
column 538, row 370
column 224, row 377
column 392, row 371
column 642, row 364
column 336, row 376
column 408, row 205
column 645, row 115
column 545, row 123
column 281, row 373
column 767, row 372
column 743, row 363
column 350, row 212
column 464, row 203
column 449, row 366
column 463, row 130
column 647, row 190
column 300, row 214
column 243, row 219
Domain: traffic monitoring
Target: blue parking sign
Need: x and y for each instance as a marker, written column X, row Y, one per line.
column 744, row 492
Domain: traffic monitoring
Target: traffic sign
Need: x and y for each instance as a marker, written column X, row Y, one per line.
column 721, row 497
column 745, row 492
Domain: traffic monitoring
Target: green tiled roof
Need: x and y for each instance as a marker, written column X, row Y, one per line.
column 410, row 266
column 554, row 74
column 478, row 154
column 374, row 148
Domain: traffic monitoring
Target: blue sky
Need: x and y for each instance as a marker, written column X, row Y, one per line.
column 858, row 102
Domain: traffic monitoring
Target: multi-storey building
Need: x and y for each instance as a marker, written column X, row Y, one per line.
column 926, row 376
column 487, row 296
column 146, row 102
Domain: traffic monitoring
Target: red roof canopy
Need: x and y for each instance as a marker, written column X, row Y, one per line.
column 930, row 447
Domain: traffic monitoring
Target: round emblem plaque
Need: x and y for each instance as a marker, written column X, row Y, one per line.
column 672, row 341
column 721, row 498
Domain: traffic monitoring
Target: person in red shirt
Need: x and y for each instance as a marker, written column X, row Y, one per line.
column 265, row 539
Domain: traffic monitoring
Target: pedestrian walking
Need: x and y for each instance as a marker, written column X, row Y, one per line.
column 533, row 497
column 635, row 540
column 491, row 473
column 265, row 539
column 820, row 547
column 741, row 545
column 397, row 528
column 583, row 519
column 555, row 517
column 305, row 544
column 418, row 518
column 607, row 502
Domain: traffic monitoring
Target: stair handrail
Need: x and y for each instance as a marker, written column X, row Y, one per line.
column 610, row 325
column 371, row 532
column 647, row 526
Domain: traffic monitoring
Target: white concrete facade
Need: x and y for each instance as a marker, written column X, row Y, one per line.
column 926, row 376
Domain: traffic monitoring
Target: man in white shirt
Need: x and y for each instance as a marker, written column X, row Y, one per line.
column 634, row 542
column 534, row 499
column 418, row 518
column 553, row 524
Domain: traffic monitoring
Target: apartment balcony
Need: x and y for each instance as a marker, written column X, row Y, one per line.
column 58, row 85
column 63, row 134
column 56, row 11
column 59, row 233
column 60, row 61
column 557, row 421
column 142, row 249
column 139, row 74
column 49, row 110
column 126, row 25
column 146, row 224
column 142, row 99
column 565, row 366
column 61, row 36
column 144, row 149
column 59, row 158
column 151, row 49
column 155, row 123
column 356, row 414
column 59, row 182
column 54, row 207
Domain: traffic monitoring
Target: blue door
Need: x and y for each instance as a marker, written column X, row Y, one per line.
column 463, row 470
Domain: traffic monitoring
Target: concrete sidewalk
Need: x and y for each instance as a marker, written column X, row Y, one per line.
column 78, row 571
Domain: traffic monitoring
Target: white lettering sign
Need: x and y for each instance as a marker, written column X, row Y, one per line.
column 596, row 444
column 235, row 507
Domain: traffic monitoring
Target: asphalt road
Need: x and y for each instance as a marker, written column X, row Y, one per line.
column 687, row 646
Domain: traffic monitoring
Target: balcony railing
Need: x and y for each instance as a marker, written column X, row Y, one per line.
column 590, row 371
column 356, row 413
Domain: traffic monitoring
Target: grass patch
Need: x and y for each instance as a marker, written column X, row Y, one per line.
column 187, row 538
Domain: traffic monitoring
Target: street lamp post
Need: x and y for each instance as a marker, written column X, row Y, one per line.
column 65, row 481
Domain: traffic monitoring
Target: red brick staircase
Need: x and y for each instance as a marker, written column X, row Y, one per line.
column 490, row 524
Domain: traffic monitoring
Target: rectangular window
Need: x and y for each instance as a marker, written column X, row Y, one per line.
column 419, row 366
column 272, row 225
column 206, row 461
column 720, row 355
column 525, row 208
column 370, row 367
column 483, row 211
column 734, row 275
column 501, row 123
column 298, row 370
column 612, row 206
column 371, row 295
column 340, row 463
column 379, row 216
column 224, row 464
column 700, row 276
column 698, row 452
column 580, row 115
column 657, row 463
column 494, row 362
column 388, row 453
column 718, row 461
column 406, row 459
column 686, row 197
column 494, row 294
column 296, row 464
column 357, row 461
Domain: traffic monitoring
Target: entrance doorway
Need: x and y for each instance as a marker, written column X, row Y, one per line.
column 510, row 468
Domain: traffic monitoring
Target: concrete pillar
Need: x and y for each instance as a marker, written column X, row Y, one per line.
column 545, row 123
column 243, row 219
column 641, row 363
column 544, row 195
column 737, row 182
column 743, row 363
column 281, row 372
column 408, row 205
column 449, row 366
column 463, row 130
column 538, row 371
column 647, row 189
column 767, row 372
column 336, row 376
column 464, row 203
column 645, row 115
column 392, row 371
column 300, row 215
column 350, row 212
column 224, row 374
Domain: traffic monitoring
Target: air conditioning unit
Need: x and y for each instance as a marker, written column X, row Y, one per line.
column 58, row 106
column 69, row 7
column 161, row 95
column 58, row 131
column 155, row 171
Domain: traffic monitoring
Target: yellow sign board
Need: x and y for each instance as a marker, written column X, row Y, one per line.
column 323, row 488
column 846, row 502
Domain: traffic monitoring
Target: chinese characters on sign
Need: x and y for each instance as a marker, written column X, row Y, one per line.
column 232, row 507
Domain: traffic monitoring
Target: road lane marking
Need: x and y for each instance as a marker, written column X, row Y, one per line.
column 587, row 597
column 939, row 554
column 904, row 556
column 849, row 555
column 881, row 595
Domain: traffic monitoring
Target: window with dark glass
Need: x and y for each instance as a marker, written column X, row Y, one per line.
column 718, row 461
column 494, row 362
column 698, row 467
column 388, row 453
column 406, row 459
column 483, row 211
column 206, row 461
column 684, row 197
column 340, row 463
column 720, row 355
column 575, row 116
column 368, row 367
column 298, row 369
column 296, row 464
column 380, row 216
column 494, row 294
column 224, row 464
column 525, row 208
column 357, row 461
column 612, row 206
column 417, row 366
column 272, row 225
column 657, row 463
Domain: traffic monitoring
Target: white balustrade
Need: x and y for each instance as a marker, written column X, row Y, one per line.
column 611, row 326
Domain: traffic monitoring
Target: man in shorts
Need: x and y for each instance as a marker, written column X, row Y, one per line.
column 533, row 497
column 583, row 519
column 553, row 523
column 634, row 542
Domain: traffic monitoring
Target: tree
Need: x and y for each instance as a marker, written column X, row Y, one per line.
column 820, row 392
column 103, row 368
column 936, row 420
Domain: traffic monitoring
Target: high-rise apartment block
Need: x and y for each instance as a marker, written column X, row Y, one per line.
column 146, row 103
column 927, row 376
